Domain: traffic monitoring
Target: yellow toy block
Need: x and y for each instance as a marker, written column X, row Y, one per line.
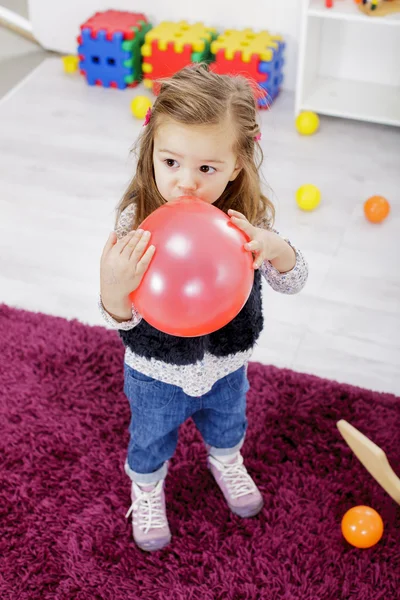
column 70, row 63
column 180, row 34
column 248, row 42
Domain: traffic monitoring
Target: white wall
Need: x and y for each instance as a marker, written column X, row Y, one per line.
column 56, row 22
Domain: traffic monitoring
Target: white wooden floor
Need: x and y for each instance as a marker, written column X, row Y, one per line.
column 64, row 164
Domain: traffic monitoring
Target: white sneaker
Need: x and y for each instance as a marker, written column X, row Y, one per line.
column 149, row 520
column 240, row 491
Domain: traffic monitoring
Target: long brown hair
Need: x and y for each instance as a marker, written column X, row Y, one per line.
column 197, row 96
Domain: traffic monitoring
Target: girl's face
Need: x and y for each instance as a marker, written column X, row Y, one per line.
column 193, row 160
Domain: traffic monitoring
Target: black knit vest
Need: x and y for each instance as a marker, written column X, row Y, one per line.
column 237, row 336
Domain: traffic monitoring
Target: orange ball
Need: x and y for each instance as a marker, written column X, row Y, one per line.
column 376, row 209
column 362, row 526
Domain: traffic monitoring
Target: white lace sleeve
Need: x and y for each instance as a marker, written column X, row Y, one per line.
column 124, row 325
column 125, row 221
column 290, row 282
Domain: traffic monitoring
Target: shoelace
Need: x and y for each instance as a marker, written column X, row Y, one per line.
column 237, row 479
column 148, row 510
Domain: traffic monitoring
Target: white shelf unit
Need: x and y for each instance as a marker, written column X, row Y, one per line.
column 349, row 63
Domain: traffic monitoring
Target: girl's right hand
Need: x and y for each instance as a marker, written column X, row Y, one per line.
column 123, row 264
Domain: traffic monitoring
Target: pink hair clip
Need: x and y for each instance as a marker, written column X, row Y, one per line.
column 147, row 117
column 257, row 137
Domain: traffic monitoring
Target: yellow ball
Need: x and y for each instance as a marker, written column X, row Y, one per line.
column 307, row 123
column 139, row 106
column 308, row 196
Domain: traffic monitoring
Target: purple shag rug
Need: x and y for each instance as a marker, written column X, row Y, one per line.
column 63, row 492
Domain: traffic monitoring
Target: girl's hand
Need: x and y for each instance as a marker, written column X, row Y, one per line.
column 123, row 264
column 262, row 242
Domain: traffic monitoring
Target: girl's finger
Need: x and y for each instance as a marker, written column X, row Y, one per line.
column 111, row 241
column 145, row 260
column 253, row 246
column 258, row 262
column 243, row 224
column 136, row 249
column 129, row 242
column 236, row 213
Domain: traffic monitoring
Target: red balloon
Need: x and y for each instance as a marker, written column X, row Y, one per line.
column 200, row 276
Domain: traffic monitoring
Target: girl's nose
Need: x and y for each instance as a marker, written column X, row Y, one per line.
column 187, row 184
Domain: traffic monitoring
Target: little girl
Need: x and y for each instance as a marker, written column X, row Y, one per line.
column 200, row 139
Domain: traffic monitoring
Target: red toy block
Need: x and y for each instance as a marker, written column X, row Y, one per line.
column 114, row 21
column 222, row 66
column 167, row 62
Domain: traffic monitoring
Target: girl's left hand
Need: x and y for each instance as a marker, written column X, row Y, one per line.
column 262, row 242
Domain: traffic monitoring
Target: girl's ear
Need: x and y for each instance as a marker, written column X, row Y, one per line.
column 236, row 171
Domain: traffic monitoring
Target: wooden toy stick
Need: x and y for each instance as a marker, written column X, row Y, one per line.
column 372, row 457
column 378, row 8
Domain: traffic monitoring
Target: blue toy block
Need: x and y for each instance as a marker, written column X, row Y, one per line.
column 272, row 88
column 104, row 60
column 274, row 81
column 277, row 60
column 267, row 100
column 273, row 70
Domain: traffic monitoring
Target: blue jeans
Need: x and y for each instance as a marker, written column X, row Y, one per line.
column 158, row 409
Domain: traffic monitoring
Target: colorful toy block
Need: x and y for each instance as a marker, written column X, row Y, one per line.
column 171, row 46
column 258, row 56
column 109, row 48
column 118, row 49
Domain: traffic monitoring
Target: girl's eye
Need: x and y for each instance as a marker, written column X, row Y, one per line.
column 170, row 162
column 207, row 169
